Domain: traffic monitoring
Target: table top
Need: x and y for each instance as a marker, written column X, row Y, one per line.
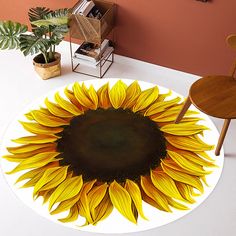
column 215, row 96
column 19, row 85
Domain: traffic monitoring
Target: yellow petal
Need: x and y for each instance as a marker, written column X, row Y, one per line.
column 92, row 94
column 57, row 110
column 193, row 157
column 183, row 177
column 83, row 203
column 161, row 106
column 186, row 164
column 30, row 174
column 44, row 194
column 146, row 98
column 135, row 194
column 95, row 196
column 72, row 216
column 37, row 139
column 29, row 116
column 36, row 128
column 29, row 147
column 66, row 205
column 163, row 96
column 47, row 120
column 204, row 180
column 205, row 155
column 197, row 138
column 103, row 210
column 70, row 95
column 191, row 120
column 183, row 129
column 36, row 161
column 51, row 178
column 176, row 204
column 185, row 192
column 154, row 193
column 121, row 200
column 188, row 143
column 80, row 96
column 151, row 202
column 33, row 180
column 67, row 105
column 117, row 94
column 132, row 93
column 87, row 98
column 165, row 184
column 103, row 96
column 22, row 156
column 45, row 111
column 47, row 195
column 66, row 190
column 170, row 115
column 192, row 190
column 173, row 165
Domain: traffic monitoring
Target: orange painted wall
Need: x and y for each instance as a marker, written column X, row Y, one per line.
column 187, row 35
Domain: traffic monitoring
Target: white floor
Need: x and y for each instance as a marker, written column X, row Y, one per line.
column 19, row 85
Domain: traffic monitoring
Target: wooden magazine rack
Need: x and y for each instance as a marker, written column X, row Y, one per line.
column 94, row 31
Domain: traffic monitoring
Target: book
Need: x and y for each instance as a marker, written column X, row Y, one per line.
column 78, row 6
column 105, row 55
column 90, row 51
column 86, row 8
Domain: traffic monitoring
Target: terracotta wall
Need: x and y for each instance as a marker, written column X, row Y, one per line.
column 187, row 35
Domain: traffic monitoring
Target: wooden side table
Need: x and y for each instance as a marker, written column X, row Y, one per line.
column 215, row 96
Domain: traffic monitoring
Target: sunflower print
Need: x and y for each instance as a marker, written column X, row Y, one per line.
column 90, row 151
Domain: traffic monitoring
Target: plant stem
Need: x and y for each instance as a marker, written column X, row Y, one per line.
column 50, row 49
column 45, row 57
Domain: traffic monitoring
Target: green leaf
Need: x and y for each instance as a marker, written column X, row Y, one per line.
column 40, row 31
column 55, row 18
column 38, row 13
column 31, row 44
column 58, row 13
column 58, row 33
column 10, row 33
column 53, row 21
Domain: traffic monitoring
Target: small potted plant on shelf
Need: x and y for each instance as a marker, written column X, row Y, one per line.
column 48, row 30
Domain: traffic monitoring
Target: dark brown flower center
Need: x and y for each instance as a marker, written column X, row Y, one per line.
column 111, row 144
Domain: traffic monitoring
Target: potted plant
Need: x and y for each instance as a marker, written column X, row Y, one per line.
column 48, row 30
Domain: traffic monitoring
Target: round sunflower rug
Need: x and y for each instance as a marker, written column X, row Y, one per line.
column 106, row 156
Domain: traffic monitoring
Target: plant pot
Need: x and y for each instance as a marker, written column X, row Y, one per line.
column 47, row 70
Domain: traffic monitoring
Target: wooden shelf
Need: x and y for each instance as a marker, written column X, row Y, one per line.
column 92, row 30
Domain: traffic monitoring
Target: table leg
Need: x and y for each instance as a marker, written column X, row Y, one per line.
column 183, row 110
column 222, row 136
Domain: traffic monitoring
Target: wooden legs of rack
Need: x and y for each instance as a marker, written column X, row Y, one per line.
column 223, row 131
column 183, row 110
column 222, row 136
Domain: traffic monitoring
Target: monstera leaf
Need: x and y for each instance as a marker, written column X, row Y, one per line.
column 38, row 13
column 40, row 31
column 56, row 18
column 9, row 34
column 58, row 33
column 58, row 13
column 31, row 44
